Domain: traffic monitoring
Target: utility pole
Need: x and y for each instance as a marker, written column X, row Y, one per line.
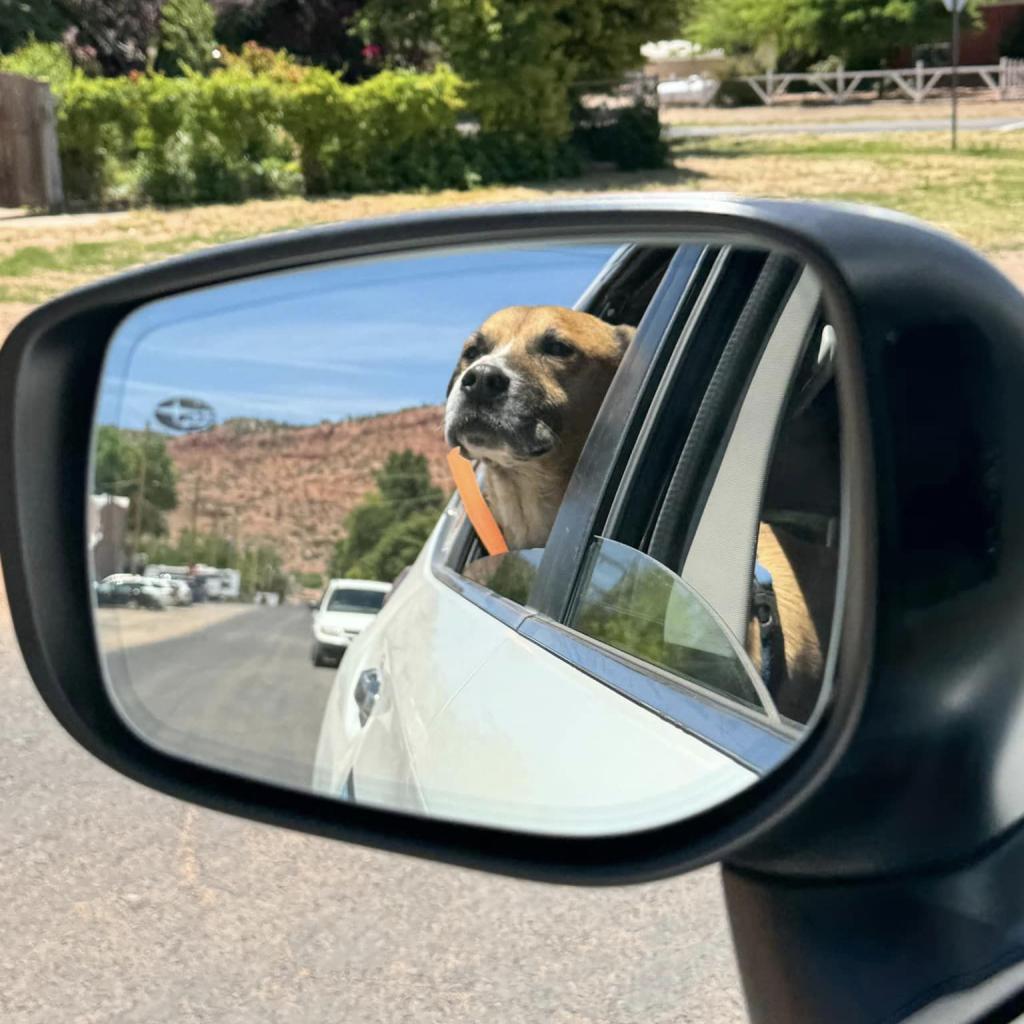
column 954, row 7
column 140, row 496
column 195, row 522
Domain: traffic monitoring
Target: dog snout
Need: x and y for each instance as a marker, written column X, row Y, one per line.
column 484, row 383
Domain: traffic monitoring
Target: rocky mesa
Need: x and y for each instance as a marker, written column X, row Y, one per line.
column 292, row 487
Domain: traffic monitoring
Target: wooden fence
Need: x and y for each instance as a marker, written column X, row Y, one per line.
column 29, row 160
column 1005, row 80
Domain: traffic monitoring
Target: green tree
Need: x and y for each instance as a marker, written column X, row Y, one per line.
column 520, row 57
column 186, row 36
column 795, row 32
column 22, row 21
column 385, row 532
column 130, row 462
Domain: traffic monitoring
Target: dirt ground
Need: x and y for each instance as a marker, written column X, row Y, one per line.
column 135, row 627
column 793, row 110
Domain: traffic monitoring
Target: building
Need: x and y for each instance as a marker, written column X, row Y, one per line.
column 108, row 528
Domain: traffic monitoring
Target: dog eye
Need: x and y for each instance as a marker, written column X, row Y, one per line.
column 471, row 352
column 554, row 347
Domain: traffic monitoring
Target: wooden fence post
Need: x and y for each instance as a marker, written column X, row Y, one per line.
column 30, row 172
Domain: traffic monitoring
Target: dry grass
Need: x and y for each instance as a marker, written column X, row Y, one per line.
column 977, row 194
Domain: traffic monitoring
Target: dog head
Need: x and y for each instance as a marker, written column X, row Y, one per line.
column 529, row 383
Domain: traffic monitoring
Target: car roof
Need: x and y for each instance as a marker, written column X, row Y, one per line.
column 359, row 584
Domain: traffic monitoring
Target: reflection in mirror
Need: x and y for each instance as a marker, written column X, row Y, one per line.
column 288, row 585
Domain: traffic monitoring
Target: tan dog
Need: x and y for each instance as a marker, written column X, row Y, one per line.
column 522, row 400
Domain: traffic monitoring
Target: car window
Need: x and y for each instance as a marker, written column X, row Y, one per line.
column 638, row 606
column 351, row 600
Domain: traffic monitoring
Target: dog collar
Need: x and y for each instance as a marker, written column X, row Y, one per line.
column 473, row 501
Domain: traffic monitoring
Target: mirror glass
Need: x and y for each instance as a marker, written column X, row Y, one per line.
column 622, row 619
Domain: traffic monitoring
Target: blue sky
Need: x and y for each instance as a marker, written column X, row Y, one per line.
column 330, row 342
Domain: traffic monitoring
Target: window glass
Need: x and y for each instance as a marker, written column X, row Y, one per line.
column 346, row 600
column 636, row 605
column 509, row 575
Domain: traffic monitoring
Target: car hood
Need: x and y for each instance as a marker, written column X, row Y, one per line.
column 351, row 622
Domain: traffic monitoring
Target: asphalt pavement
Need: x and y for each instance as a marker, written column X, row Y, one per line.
column 241, row 694
column 931, row 124
column 121, row 905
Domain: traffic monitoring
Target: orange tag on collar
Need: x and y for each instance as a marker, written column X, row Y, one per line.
column 486, row 526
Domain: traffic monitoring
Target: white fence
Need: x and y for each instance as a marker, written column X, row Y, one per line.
column 1005, row 80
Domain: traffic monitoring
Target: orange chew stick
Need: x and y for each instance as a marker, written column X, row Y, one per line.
column 486, row 526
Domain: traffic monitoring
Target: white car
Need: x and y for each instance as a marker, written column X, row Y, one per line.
column 160, row 590
column 346, row 608
column 586, row 688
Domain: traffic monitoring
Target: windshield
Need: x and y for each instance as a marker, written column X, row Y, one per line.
column 365, row 601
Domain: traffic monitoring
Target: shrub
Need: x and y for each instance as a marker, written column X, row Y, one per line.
column 265, row 126
column 630, row 136
column 96, row 123
column 396, row 130
column 48, row 62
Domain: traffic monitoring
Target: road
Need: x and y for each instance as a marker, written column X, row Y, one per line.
column 241, row 694
column 937, row 124
column 125, row 906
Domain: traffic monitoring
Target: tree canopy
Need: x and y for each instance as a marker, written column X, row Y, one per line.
column 385, row 532
column 800, row 31
column 127, row 461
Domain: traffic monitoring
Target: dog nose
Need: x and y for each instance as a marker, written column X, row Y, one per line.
column 484, row 383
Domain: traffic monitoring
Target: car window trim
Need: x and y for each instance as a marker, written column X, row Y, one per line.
column 609, row 445
column 747, row 736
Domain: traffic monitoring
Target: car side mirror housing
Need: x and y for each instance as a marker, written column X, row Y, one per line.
column 924, row 344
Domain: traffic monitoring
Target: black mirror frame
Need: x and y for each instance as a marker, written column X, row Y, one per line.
column 49, row 370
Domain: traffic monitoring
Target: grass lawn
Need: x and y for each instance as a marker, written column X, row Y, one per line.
column 977, row 194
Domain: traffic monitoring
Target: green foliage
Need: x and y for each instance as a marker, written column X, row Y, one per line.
column 317, row 31
column 385, row 533
column 240, row 133
column 25, row 21
column 396, row 130
column 258, row 565
column 519, row 59
column 48, row 62
column 127, row 463
column 795, row 32
column 630, row 137
column 96, row 123
column 310, row 580
column 186, row 36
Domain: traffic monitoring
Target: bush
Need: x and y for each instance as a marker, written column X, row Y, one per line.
column 396, row 130
column 96, row 123
column 265, row 126
column 49, row 62
column 629, row 137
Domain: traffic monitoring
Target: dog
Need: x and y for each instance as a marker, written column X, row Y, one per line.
column 522, row 400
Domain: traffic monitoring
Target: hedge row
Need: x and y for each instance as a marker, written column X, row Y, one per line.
column 242, row 133
column 235, row 135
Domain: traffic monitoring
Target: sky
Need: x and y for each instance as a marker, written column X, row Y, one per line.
column 327, row 343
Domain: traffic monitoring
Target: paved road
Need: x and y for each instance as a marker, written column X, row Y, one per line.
column 124, row 906
column 680, row 131
column 242, row 694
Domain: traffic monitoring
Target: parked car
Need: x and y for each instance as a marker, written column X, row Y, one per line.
column 128, row 594
column 157, row 591
column 346, row 608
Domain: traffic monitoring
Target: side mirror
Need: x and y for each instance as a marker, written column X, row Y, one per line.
column 755, row 476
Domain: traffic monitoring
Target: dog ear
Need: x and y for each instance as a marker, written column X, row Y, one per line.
column 624, row 334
